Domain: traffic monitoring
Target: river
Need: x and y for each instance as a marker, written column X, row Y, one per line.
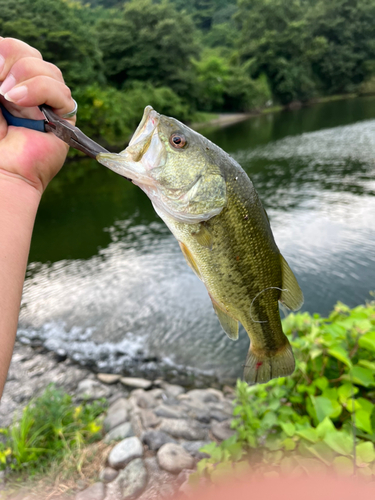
column 107, row 284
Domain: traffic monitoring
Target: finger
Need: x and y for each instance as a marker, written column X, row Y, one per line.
column 27, row 68
column 42, row 90
column 10, row 51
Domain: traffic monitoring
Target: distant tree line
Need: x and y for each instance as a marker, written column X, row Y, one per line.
column 187, row 56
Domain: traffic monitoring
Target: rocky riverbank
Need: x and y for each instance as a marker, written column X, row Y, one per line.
column 154, row 429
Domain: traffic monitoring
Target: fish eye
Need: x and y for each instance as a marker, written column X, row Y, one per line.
column 177, row 140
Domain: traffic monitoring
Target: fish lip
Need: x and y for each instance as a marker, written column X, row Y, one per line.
column 142, row 136
column 128, row 163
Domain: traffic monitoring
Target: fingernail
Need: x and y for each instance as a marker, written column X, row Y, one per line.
column 2, row 63
column 7, row 84
column 16, row 94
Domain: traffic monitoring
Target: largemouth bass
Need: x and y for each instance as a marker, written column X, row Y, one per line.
column 211, row 207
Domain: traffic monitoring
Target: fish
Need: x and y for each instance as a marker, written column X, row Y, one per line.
column 210, row 205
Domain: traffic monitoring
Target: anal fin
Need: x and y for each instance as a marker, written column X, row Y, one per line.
column 190, row 259
column 260, row 368
column 228, row 324
column 291, row 296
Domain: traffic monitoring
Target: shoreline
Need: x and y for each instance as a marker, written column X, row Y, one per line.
column 223, row 120
column 152, row 426
column 33, row 368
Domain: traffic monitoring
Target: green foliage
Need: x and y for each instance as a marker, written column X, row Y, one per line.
column 148, row 41
column 307, row 48
column 222, row 86
column 322, row 416
column 50, row 427
column 55, row 28
column 114, row 114
column 190, row 56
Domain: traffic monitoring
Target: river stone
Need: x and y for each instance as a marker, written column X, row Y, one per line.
column 92, row 389
column 222, row 430
column 144, row 399
column 94, row 492
column 174, row 458
column 203, row 395
column 172, row 391
column 115, row 418
column 193, row 447
column 133, row 479
column 138, row 383
column 120, row 403
column 122, row 431
column 185, row 429
column 108, row 378
column 129, row 483
column 155, row 439
column 170, row 412
column 108, row 474
column 124, row 452
column 203, row 416
column 149, row 419
column 220, row 415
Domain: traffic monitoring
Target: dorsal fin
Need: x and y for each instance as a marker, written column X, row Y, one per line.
column 203, row 236
column 190, row 259
column 291, row 296
column 228, row 324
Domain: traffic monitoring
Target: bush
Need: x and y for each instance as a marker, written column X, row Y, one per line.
column 50, row 427
column 321, row 417
column 114, row 115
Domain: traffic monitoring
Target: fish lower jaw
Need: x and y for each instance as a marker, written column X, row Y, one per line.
column 166, row 212
column 124, row 166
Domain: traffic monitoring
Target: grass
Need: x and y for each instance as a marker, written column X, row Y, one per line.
column 53, row 444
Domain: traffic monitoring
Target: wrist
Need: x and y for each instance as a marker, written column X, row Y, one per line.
column 19, row 203
column 26, row 194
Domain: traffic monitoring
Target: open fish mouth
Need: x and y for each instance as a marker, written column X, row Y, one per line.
column 143, row 153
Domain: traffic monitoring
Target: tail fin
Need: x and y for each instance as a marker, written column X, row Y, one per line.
column 260, row 368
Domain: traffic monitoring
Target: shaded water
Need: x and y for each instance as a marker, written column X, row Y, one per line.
column 108, row 284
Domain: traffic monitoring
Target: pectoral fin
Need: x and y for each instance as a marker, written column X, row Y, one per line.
column 291, row 296
column 203, row 236
column 190, row 259
column 229, row 324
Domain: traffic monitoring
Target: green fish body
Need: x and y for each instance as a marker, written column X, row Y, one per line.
column 211, row 207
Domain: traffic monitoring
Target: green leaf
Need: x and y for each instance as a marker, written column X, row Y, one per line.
column 288, row 428
column 324, row 427
column 289, row 444
column 310, row 434
column 367, row 341
column 321, row 383
column 339, row 353
column 340, row 442
column 346, row 391
column 367, row 364
column 363, row 421
column 365, row 452
column 322, row 451
column 315, row 353
column 324, row 407
column 362, row 376
column 343, row 465
column 365, row 404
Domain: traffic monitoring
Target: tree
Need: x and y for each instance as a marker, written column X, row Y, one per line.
column 149, row 42
column 348, row 28
column 277, row 39
column 54, row 27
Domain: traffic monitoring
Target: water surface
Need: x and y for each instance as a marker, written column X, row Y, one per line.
column 108, row 284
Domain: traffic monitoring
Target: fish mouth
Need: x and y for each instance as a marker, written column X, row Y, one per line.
column 141, row 155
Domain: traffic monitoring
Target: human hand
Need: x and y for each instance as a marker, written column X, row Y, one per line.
column 28, row 81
